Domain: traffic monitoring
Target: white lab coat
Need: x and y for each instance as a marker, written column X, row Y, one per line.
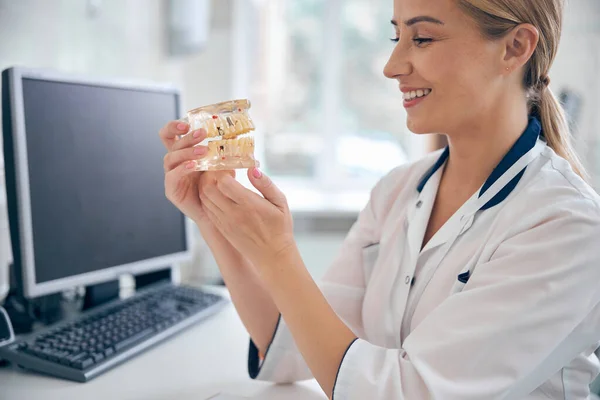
column 525, row 324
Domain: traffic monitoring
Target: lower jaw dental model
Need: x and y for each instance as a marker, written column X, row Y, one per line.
column 228, row 126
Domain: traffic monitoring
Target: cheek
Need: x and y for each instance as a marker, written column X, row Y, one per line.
column 463, row 74
column 456, row 71
column 460, row 75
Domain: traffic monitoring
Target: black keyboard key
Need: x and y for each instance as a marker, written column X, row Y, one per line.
column 46, row 354
column 77, row 357
column 108, row 352
column 134, row 339
column 62, row 355
column 35, row 351
column 98, row 357
column 51, row 355
column 83, row 364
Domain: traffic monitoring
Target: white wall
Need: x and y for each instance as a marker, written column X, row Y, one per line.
column 126, row 39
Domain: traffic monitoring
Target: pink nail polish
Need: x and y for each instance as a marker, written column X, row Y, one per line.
column 197, row 134
column 256, row 173
column 189, row 165
column 199, row 150
column 181, row 126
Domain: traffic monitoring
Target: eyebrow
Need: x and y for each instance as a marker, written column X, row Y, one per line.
column 416, row 20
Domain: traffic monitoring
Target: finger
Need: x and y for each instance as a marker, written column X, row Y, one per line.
column 169, row 133
column 212, row 210
column 266, row 186
column 174, row 177
column 174, row 158
column 236, row 191
column 224, row 203
column 189, row 140
column 212, row 217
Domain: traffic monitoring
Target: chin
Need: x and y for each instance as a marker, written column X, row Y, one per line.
column 420, row 126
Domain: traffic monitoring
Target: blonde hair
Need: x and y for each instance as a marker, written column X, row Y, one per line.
column 498, row 17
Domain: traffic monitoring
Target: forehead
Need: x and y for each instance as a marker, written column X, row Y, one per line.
column 445, row 10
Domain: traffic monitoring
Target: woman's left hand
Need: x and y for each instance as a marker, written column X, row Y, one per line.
column 260, row 228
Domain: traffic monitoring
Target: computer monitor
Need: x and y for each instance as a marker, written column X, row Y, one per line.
column 85, row 181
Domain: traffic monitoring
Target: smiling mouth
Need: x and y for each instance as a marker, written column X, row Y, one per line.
column 415, row 94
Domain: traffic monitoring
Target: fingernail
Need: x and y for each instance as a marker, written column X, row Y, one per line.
column 182, row 126
column 199, row 150
column 190, row 165
column 197, row 134
column 256, row 173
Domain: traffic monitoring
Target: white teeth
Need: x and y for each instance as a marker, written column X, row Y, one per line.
column 211, row 128
column 228, row 126
column 223, row 125
column 242, row 147
column 243, row 122
column 415, row 94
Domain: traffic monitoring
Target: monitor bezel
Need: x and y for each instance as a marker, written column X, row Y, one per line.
column 31, row 288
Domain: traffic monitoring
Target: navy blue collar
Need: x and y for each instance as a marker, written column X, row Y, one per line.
column 525, row 143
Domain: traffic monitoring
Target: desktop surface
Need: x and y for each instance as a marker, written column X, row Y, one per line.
column 206, row 359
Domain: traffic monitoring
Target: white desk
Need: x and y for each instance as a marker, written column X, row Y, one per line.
column 209, row 358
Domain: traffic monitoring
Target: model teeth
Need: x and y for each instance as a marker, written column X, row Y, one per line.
column 241, row 147
column 416, row 94
column 228, row 127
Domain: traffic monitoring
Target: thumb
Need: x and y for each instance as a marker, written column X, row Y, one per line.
column 266, row 187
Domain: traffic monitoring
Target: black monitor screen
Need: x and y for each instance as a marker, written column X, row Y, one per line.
column 96, row 177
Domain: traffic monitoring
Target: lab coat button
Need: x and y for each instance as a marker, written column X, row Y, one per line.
column 419, row 204
column 407, row 279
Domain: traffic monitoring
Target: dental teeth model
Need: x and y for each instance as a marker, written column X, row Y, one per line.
column 230, row 145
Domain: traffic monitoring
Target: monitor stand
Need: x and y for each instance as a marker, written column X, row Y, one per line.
column 101, row 293
column 151, row 278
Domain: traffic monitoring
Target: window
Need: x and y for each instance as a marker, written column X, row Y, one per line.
column 326, row 116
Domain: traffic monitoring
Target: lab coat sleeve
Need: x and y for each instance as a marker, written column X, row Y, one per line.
column 523, row 315
column 343, row 286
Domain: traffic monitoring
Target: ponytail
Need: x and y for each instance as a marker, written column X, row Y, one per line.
column 555, row 128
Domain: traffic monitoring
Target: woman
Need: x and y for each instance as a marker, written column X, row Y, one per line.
column 473, row 273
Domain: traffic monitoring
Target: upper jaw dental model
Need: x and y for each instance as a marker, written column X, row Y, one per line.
column 227, row 124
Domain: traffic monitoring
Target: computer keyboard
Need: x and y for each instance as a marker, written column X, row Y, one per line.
column 102, row 338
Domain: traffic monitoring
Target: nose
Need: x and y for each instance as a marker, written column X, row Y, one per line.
column 398, row 64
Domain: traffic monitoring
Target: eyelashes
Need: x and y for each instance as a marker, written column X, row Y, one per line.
column 422, row 41
column 418, row 41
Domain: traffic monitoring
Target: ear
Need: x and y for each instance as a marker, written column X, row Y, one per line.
column 520, row 43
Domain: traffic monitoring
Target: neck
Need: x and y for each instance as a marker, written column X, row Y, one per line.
column 479, row 146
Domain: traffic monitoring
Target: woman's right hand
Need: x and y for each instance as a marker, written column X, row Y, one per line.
column 182, row 184
column 182, row 181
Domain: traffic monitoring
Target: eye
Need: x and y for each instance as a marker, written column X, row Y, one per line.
column 395, row 40
column 420, row 42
